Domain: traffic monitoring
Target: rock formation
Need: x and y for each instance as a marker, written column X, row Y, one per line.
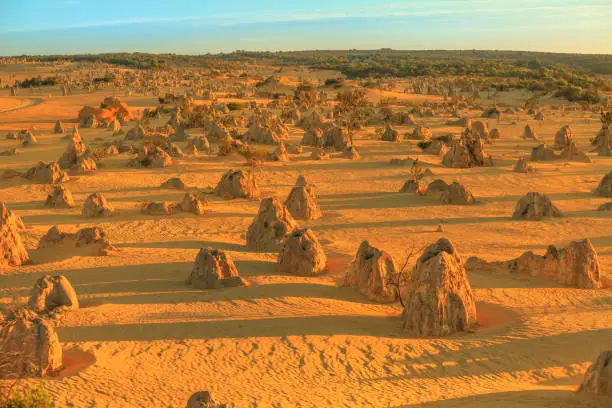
column 604, row 189
column 542, row 153
column 535, row 206
column 52, row 292
column 302, row 255
column 319, row 154
column 174, row 151
column 136, row 133
column 436, row 188
column 495, row 134
column 48, row 173
column 214, row 269
column 351, row 153
column 279, row 154
column 217, row 132
column 75, row 152
column 522, row 166
column 91, row 238
column 598, row 377
column 457, row 194
column 311, row 137
column 96, row 206
column 605, row 207
column 421, row 133
column 572, row 153
column 271, row 225
column 336, row 138
column 413, row 186
column 151, row 156
column 29, row 139
column 58, row 128
column 174, row 182
column 469, row 152
column 237, row 184
column 61, row 197
column 436, row 147
column 373, row 272
column 200, row 143
column 34, row 343
column 158, row 208
column 529, row 133
column 480, row 129
column 576, row 265
column 390, row 134
column 192, row 204
column 439, row 300
column 12, row 251
column 302, row 201
column 204, row 399
column 563, row 137
column 258, row 134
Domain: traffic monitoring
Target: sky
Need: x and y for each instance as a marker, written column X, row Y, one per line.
column 201, row 26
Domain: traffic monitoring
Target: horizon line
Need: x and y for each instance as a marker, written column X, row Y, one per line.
column 387, row 49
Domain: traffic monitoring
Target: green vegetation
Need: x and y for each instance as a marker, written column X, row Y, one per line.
column 36, row 82
column 573, row 76
column 35, row 397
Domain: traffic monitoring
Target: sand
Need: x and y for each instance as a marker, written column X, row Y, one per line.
column 145, row 339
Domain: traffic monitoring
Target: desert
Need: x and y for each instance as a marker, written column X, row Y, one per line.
column 270, row 230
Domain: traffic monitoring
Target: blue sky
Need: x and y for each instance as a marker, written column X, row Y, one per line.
column 196, row 27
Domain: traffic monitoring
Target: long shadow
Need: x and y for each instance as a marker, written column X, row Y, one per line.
column 531, row 399
column 124, row 215
column 382, row 200
column 228, row 246
column 26, row 205
column 175, row 271
column 515, row 355
column 557, row 196
column 348, row 165
column 413, row 222
column 161, row 291
column 380, row 326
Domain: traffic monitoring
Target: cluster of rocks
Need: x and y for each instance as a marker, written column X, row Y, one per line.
column 92, row 238
column 569, row 153
column 76, row 156
column 468, row 152
column 575, row 265
column 454, row 193
column 271, row 225
column 150, row 156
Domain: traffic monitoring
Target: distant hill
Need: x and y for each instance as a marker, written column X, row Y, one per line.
column 591, row 63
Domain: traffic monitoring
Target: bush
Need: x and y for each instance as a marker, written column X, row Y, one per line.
column 445, row 138
column 334, row 81
column 36, row 82
column 233, row 106
column 35, row 397
column 424, row 144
